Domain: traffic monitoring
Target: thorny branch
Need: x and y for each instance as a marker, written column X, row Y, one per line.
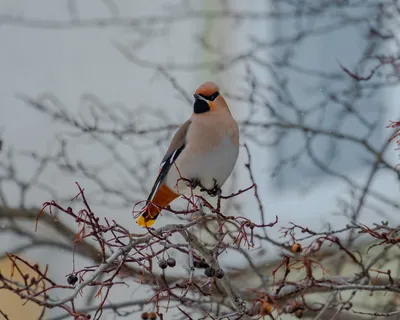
column 313, row 130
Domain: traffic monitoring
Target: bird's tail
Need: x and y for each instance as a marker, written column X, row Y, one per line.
column 162, row 198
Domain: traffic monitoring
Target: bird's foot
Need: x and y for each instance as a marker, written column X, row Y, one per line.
column 194, row 183
column 215, row 191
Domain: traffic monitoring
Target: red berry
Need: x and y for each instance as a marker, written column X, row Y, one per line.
column 145, row 315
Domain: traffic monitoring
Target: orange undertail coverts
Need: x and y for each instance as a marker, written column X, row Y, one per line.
column 162, row 198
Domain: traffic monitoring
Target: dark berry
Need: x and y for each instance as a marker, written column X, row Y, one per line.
column 72, row 279
column 162, row 263
column 219, row 273
column 171, row 262
column 152, row 315
column 299, row 313
column 209, row 272
column 145, row 315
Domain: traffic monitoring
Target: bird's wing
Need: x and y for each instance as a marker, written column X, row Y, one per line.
column 175, row 148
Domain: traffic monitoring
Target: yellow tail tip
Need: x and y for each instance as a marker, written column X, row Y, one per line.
column 141, row 221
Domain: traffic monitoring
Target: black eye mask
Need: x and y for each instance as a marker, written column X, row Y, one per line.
column 212, row 97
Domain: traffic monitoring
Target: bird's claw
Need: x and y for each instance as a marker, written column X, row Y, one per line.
column 215, row 191
column 194, row 183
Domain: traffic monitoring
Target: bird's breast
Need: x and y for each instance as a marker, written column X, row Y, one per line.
column 209, row 159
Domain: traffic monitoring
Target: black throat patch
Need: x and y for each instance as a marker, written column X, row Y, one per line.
column 200, row 106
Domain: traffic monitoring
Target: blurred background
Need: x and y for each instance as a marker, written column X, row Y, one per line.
column 92, row 92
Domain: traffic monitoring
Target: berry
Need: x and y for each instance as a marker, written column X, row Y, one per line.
column 152, row 315
column 72, row 279
column 296, row 248
column 145, row 315
column 266, row 308
column 209, row 272
column 219, row 274
column 171, row 262
column 162, row 264
column 299, row 313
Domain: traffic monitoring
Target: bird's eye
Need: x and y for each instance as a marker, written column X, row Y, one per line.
column 212, row 97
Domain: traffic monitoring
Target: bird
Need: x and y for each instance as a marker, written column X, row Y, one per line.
column 203, row 152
